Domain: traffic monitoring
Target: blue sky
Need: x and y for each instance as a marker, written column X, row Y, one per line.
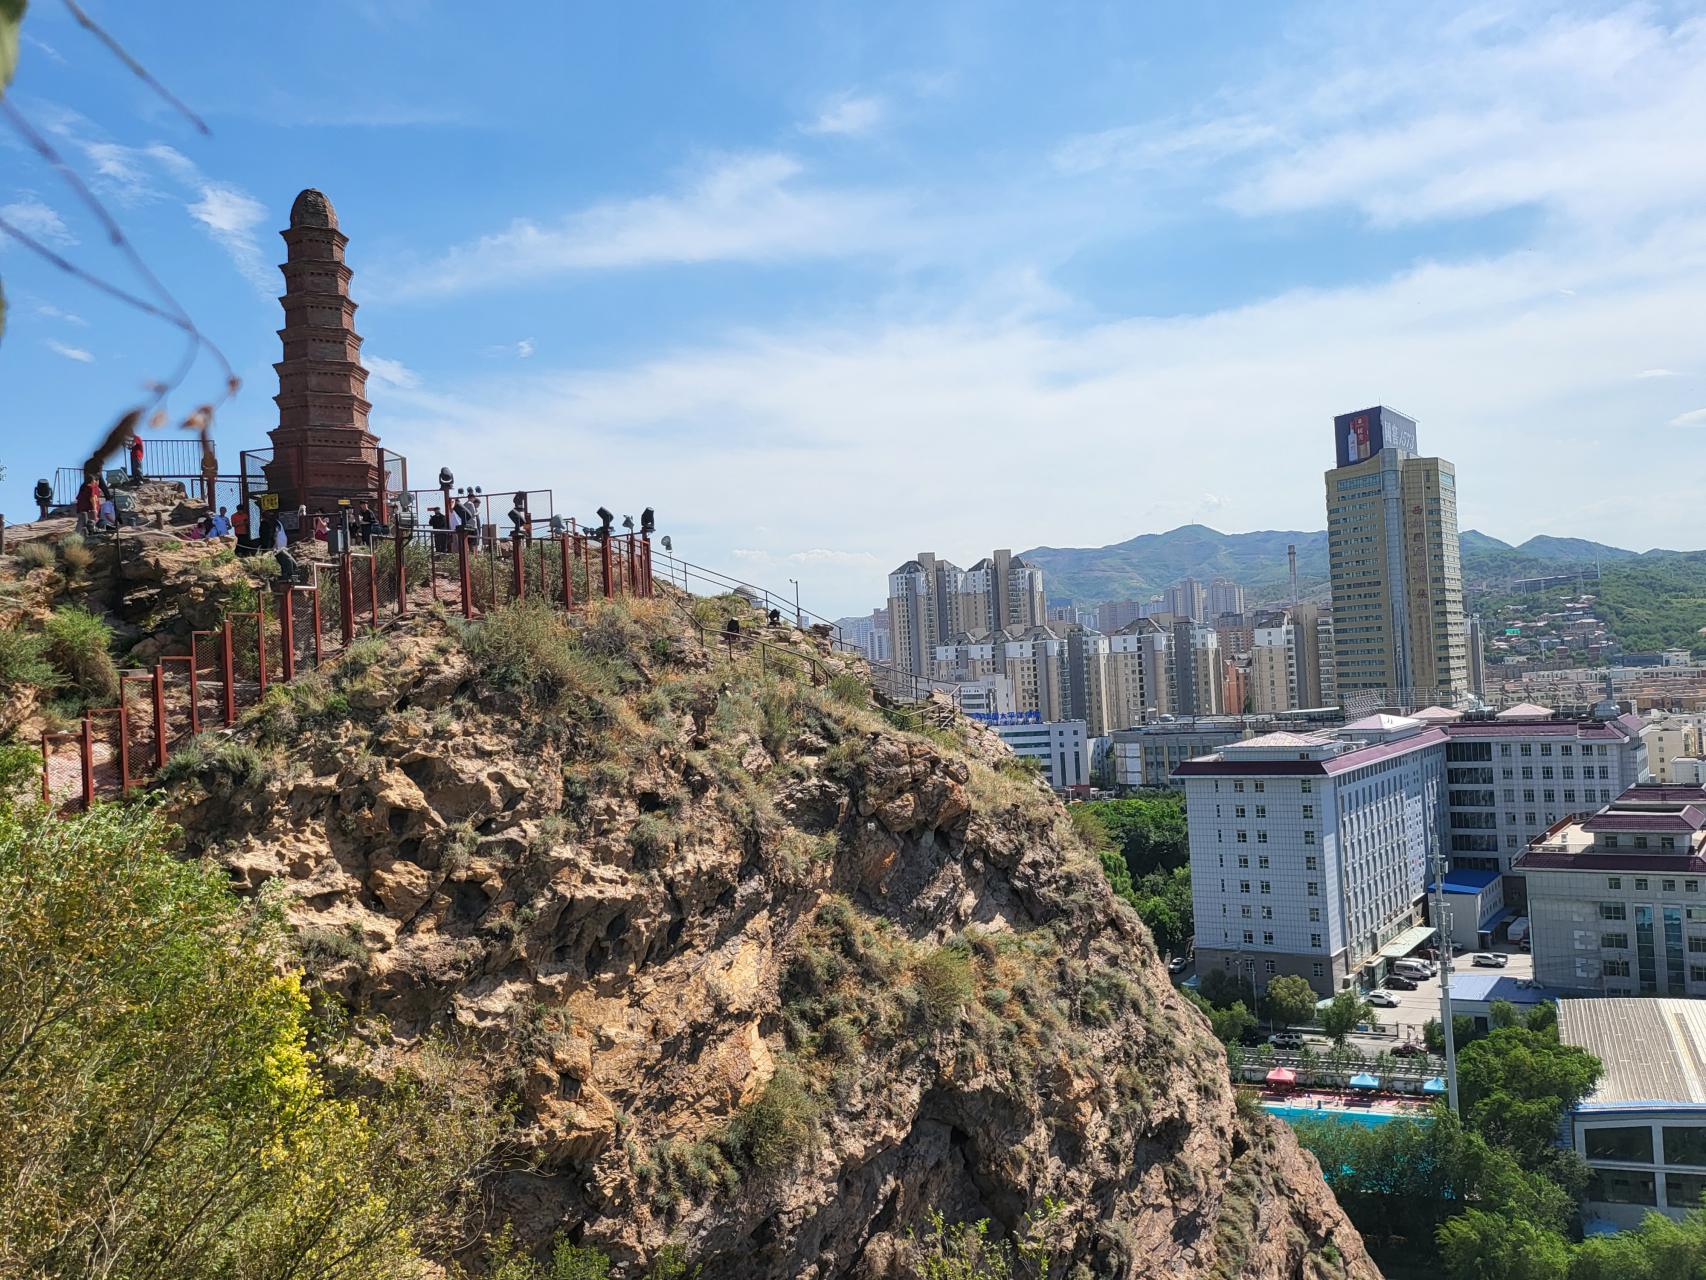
column 832, row 284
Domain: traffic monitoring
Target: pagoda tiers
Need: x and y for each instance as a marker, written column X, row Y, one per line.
column 322, row 449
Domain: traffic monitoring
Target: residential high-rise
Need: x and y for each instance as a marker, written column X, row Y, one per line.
column 1195, row 669
column 1317, row 671
column 1188, row 598
column 1225, row 596
column 1114, row 614
column 1477, row 655
column 933, row 601
column 1291, row 661
column 1397, row 583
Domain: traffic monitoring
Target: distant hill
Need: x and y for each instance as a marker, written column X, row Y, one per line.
column 1144, row 565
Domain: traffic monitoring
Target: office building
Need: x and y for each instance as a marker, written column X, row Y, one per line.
column 1309, row 851
column 1515, row 775
column 1060, row 748
column 1642, row 1130
column 1615, row 901
column 986, row 698
column 1670, row 738
column 1398, row 621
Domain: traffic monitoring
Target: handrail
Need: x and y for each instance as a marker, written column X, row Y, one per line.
column 745, row 640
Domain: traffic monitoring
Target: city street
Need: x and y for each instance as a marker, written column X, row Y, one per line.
column 1416, row 1007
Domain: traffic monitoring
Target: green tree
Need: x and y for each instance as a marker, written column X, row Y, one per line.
column 1489, row 1246
column 1290, row 999
column 165, row 1116
column 1502, row 1013
column 1463, row 1033
column 1223, row 989
column 1148, row 829
column 1516, row 1084
column 1342, row 1015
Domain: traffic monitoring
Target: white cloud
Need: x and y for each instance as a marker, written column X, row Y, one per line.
column 43, row 47
column 392, row 373
column 848, row 116
column 525, row 349
column 232, row 217
column 1693, row 418
column 70, row 353
column 37, row 220
column 1658, row 373
column 747, row 208
column 51, row 312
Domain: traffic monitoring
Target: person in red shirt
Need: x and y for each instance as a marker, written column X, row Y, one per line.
column 88, row 503
column 136, row 458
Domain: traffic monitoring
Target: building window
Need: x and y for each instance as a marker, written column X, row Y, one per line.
column 1621, row 1186
column 1261, row 786
column 1267, row 939
column 1270, row 968
column 1527, row 749
column 1630, row 1144
column 1685, row 1144
column 1308, row 811
column 1244, row 887
column 1614, row 882
column 1262, row 862
column 1238, row 786
column 1243, row 862
column 1616, row 941
column 1528, row 795
column 1249, row 938
column 1528, row 773
column 1607, row 910
column 1616, row 968
column 1504, row 748
column 1668, row 842
column 1611, row 842
column 1307, row 786
column 1697, row 973
column 1683, row 1190
column 1314, row 889
column 1691, row 886
column 1510, row 842
column 1697, row 946
column 1640, row 884
column 1261, row 837
column 1309, row 863
column 1244, row 911
column 1669, row 886
column 1261, row 811
column 1569, row 795
column 1308, row 837
column 1318, row 969
column 1267, row 887
column 1314, row 915
column 1238, row 812
column 1315, row 940
column 1243, row 837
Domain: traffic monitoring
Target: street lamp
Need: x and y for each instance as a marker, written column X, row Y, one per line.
column 799, row 618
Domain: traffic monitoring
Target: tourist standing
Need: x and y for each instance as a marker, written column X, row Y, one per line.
column 136, row 458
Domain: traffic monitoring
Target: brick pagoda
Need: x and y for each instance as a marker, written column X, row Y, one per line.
column 322, row 449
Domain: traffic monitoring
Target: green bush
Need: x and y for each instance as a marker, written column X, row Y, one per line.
column 34, row 555
column 24, row 661
column 943, row 980
column 217, row 762
column 164, row 1115
column 80, row 647
column 75, row 556
column 779, row 1126
column 846, row 687
column 531, row 648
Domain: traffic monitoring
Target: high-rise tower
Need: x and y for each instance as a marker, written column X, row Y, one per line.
column 322, row 448
column 1397, row 580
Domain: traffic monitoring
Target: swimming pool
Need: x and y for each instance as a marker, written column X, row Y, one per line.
column 1292, row 1113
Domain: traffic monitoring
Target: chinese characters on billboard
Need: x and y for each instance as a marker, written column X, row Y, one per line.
column 1365, row 433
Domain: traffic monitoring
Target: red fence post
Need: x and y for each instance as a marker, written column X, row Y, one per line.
column 86, row 752
column 568, row 573
column 159, row 691
column 466, row 577
column 346, row 595
column 316, row 590
column 287, row 629
column 402, row 575
column 123, row 744
column 195, row 692
column 632, row 580
column 646, row 565
column 228, row 665
column 261, row 637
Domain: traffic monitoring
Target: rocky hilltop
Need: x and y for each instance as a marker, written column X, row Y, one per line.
column 768, row 971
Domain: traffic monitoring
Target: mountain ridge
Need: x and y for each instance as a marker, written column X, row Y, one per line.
column 1147, row 563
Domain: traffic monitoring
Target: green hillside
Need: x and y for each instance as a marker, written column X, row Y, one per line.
column 1656, row 602
column 1144, row 565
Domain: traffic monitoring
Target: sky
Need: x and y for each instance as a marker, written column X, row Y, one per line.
column 831, row 284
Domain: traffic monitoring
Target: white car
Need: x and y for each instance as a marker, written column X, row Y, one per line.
column 1383, row 1000
column 1489, row 960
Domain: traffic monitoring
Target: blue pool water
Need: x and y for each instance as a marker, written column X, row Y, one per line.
column 1292, row 1114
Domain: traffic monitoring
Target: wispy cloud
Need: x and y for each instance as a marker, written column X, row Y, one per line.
column 1658, row 373
column 746, row 208
column 69, row 352
column 392, row 373
column 1693, row 418
column 232, row 217
column 51, row 312
column 42, row 47
column 849, row 115
column 37, row 219
column 524, row 349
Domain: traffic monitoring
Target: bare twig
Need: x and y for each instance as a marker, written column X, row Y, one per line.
column 93, row 28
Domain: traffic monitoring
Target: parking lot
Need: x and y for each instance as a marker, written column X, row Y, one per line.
column 1416, row 1007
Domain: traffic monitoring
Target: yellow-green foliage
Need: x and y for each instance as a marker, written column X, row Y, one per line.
column 166, row 1115
column 75, row 556
column 34, row 555
column 79, row 646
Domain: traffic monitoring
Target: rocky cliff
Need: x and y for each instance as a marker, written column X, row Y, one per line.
column 771, row 972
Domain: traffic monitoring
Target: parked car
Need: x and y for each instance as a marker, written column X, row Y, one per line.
column 1409, row 1050
column 1383, row 999
column 1286, row 1040
column 1490, row 960
column 1178, row 964
column 1398, row 982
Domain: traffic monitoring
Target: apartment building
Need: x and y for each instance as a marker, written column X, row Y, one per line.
column 1310, row 851
column 1188, row 598
column 1670, row 738
column 1196, row 676
column 1399, row 627
column 1061, row 748
column 1147, row 754
column 1615, row 900
column 1137, row 684
column 932, row 601
column 1224, row 596
column 1273, row 669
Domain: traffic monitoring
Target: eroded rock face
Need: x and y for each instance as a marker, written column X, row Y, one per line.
column 624, row 929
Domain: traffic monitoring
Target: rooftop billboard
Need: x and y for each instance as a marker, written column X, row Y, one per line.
column 1366, row 432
